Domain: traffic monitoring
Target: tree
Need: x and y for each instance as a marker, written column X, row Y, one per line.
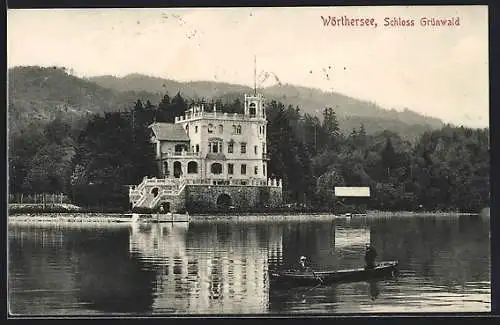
column 109, row 155
column 138, row 106
column 388, row 156
column 331, row 128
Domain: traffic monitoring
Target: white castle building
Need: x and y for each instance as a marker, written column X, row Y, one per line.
column 210, row 159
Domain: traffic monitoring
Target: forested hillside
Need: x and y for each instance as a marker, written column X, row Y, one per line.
column 72, row 136
column 351, row 112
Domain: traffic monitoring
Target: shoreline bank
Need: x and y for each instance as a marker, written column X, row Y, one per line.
column 122, row 218
column 67, row 208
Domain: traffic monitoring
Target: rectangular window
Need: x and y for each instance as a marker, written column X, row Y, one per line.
column 264, row 169
column 243, row 147
column 230, row 169
column 255, row 149
column 256, row 170
column 197, row 148
column 230, row 147
column 196, row 129
column 243, row 169
column 210, row 128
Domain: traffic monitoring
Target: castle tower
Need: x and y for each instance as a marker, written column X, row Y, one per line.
column 254, row 106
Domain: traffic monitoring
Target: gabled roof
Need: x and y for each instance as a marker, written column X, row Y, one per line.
column 169, row 132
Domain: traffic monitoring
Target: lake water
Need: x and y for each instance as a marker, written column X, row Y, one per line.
column 221, row 267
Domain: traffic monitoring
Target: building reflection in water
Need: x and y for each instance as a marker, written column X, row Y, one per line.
column 222, row 267
column 214, row 268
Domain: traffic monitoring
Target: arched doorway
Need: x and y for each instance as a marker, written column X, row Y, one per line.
column 166, row 206
column 216, row 168
column 177, row 169
column 154, row 191
column 224, row 201
column 192, row 167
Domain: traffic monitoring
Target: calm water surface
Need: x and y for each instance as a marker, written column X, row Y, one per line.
column 221, row 267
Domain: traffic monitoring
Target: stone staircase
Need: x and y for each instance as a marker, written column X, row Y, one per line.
column 168, row 190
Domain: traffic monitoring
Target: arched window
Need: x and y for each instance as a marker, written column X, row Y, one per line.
column 252, row 109
column 210, row 128
column 238, row 129
column 234, row 128
column 216, row 168
column 221, row 128
column 192, row 167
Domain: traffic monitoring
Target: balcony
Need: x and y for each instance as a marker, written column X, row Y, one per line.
column 180, row 154
column 215, row 115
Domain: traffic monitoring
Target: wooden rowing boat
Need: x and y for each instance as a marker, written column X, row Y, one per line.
column 310, row 277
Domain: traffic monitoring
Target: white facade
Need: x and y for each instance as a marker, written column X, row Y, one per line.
column 220, row 148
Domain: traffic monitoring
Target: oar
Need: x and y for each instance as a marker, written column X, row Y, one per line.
column 312, row 288
column 317, row 277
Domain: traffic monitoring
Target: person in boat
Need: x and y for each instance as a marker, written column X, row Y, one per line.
column 370, row 256
column 303, row 263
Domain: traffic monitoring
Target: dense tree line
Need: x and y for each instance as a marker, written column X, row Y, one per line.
column 447, row 169
column 93, row 159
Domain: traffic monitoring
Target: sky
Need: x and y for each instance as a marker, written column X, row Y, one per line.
column 439, row 71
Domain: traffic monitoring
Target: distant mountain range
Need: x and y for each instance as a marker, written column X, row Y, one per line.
column 38, row 94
